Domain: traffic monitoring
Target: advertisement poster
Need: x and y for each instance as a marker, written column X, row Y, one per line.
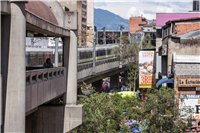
column 191, row 101
column 147, row 69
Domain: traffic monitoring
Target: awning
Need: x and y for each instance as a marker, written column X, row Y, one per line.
column 164, row 80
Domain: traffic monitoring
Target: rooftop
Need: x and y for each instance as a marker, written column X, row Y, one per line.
column 162, row 18
column 41, row 10
column 149, row 25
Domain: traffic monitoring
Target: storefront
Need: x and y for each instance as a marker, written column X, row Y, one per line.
column 186, row 71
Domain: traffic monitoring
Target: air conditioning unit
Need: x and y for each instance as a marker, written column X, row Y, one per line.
column 164, row 50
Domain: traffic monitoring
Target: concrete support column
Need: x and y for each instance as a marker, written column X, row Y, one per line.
column 72, row 71
column 73, row 114
column 15, row 87
column 114, row 81
column 98, row 85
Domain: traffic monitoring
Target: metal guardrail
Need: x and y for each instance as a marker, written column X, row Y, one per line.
column 43, row 85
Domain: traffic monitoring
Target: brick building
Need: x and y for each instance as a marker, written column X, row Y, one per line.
column 180, row 54
column 136, row 23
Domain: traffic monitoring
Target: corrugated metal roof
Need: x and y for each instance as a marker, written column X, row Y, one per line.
column 186, row 59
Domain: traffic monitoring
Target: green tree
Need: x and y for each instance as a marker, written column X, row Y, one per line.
column 162, row 112
column 129, row 53
column 146, row 42
column 104, row 113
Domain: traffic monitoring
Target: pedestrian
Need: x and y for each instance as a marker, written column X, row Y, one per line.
column 198, row 125
column 48, row 64
column 139, row 94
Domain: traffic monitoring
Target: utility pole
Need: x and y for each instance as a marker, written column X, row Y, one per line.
column 94, row 49
column 121, row 28
column 104, row 39
column 56, row 52
column 104, row 35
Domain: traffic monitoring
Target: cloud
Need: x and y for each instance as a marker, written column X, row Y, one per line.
column 147, row 8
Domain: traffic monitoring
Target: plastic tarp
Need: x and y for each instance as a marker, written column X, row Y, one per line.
column 165, row 80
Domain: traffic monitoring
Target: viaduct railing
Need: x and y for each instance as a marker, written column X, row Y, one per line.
column 82, row 67
column 43, row 85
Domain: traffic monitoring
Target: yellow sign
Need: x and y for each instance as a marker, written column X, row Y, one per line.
column 189, row 82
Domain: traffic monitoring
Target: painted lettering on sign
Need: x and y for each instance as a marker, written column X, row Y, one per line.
column 189, row 82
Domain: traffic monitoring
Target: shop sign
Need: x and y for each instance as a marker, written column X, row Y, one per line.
column 189, row 82
column 147, row 69
column 192, row 101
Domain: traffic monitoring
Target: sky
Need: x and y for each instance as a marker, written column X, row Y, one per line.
column 147, row 8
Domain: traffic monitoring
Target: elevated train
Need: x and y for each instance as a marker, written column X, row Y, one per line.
column 36, row 56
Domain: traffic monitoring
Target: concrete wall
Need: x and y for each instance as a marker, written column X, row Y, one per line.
column 57, row 10
column 43, row 86
column 181, row 49
column 99, row 69
column 90, row 13
column 187, row 69
column 5, row 7
column 47, row 119
column 71, row 20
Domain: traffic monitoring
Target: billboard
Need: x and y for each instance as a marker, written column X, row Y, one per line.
column 147, row 69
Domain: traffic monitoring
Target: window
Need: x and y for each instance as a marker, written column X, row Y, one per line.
column 83, row 6
column 159, row 33
column 83, row 13
column 143, row 19
column 83, row 27
column 142, row 24
column 83, row 20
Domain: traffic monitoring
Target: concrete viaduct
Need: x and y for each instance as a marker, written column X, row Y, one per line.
column 25, row 94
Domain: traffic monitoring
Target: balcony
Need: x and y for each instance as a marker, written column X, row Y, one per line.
column 43, row 85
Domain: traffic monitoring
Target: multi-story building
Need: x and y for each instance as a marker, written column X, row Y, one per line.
column 161, row 19
column 90, row 22
column 136, row 23
column 150, row 30
column 180, row 53
column 81, row 8
column 111, row 37
column 196, row 6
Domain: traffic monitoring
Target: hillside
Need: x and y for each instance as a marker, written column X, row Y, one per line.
column 104, row 18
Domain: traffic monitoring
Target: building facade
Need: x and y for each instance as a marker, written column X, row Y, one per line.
column 90, row 22
column 161, row 19
column 196, row 5
column 111, row 37
column 150, row 30
column 81, row 8
column 136, row 23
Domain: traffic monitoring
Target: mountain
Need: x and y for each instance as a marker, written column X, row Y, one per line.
column 104, row 18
